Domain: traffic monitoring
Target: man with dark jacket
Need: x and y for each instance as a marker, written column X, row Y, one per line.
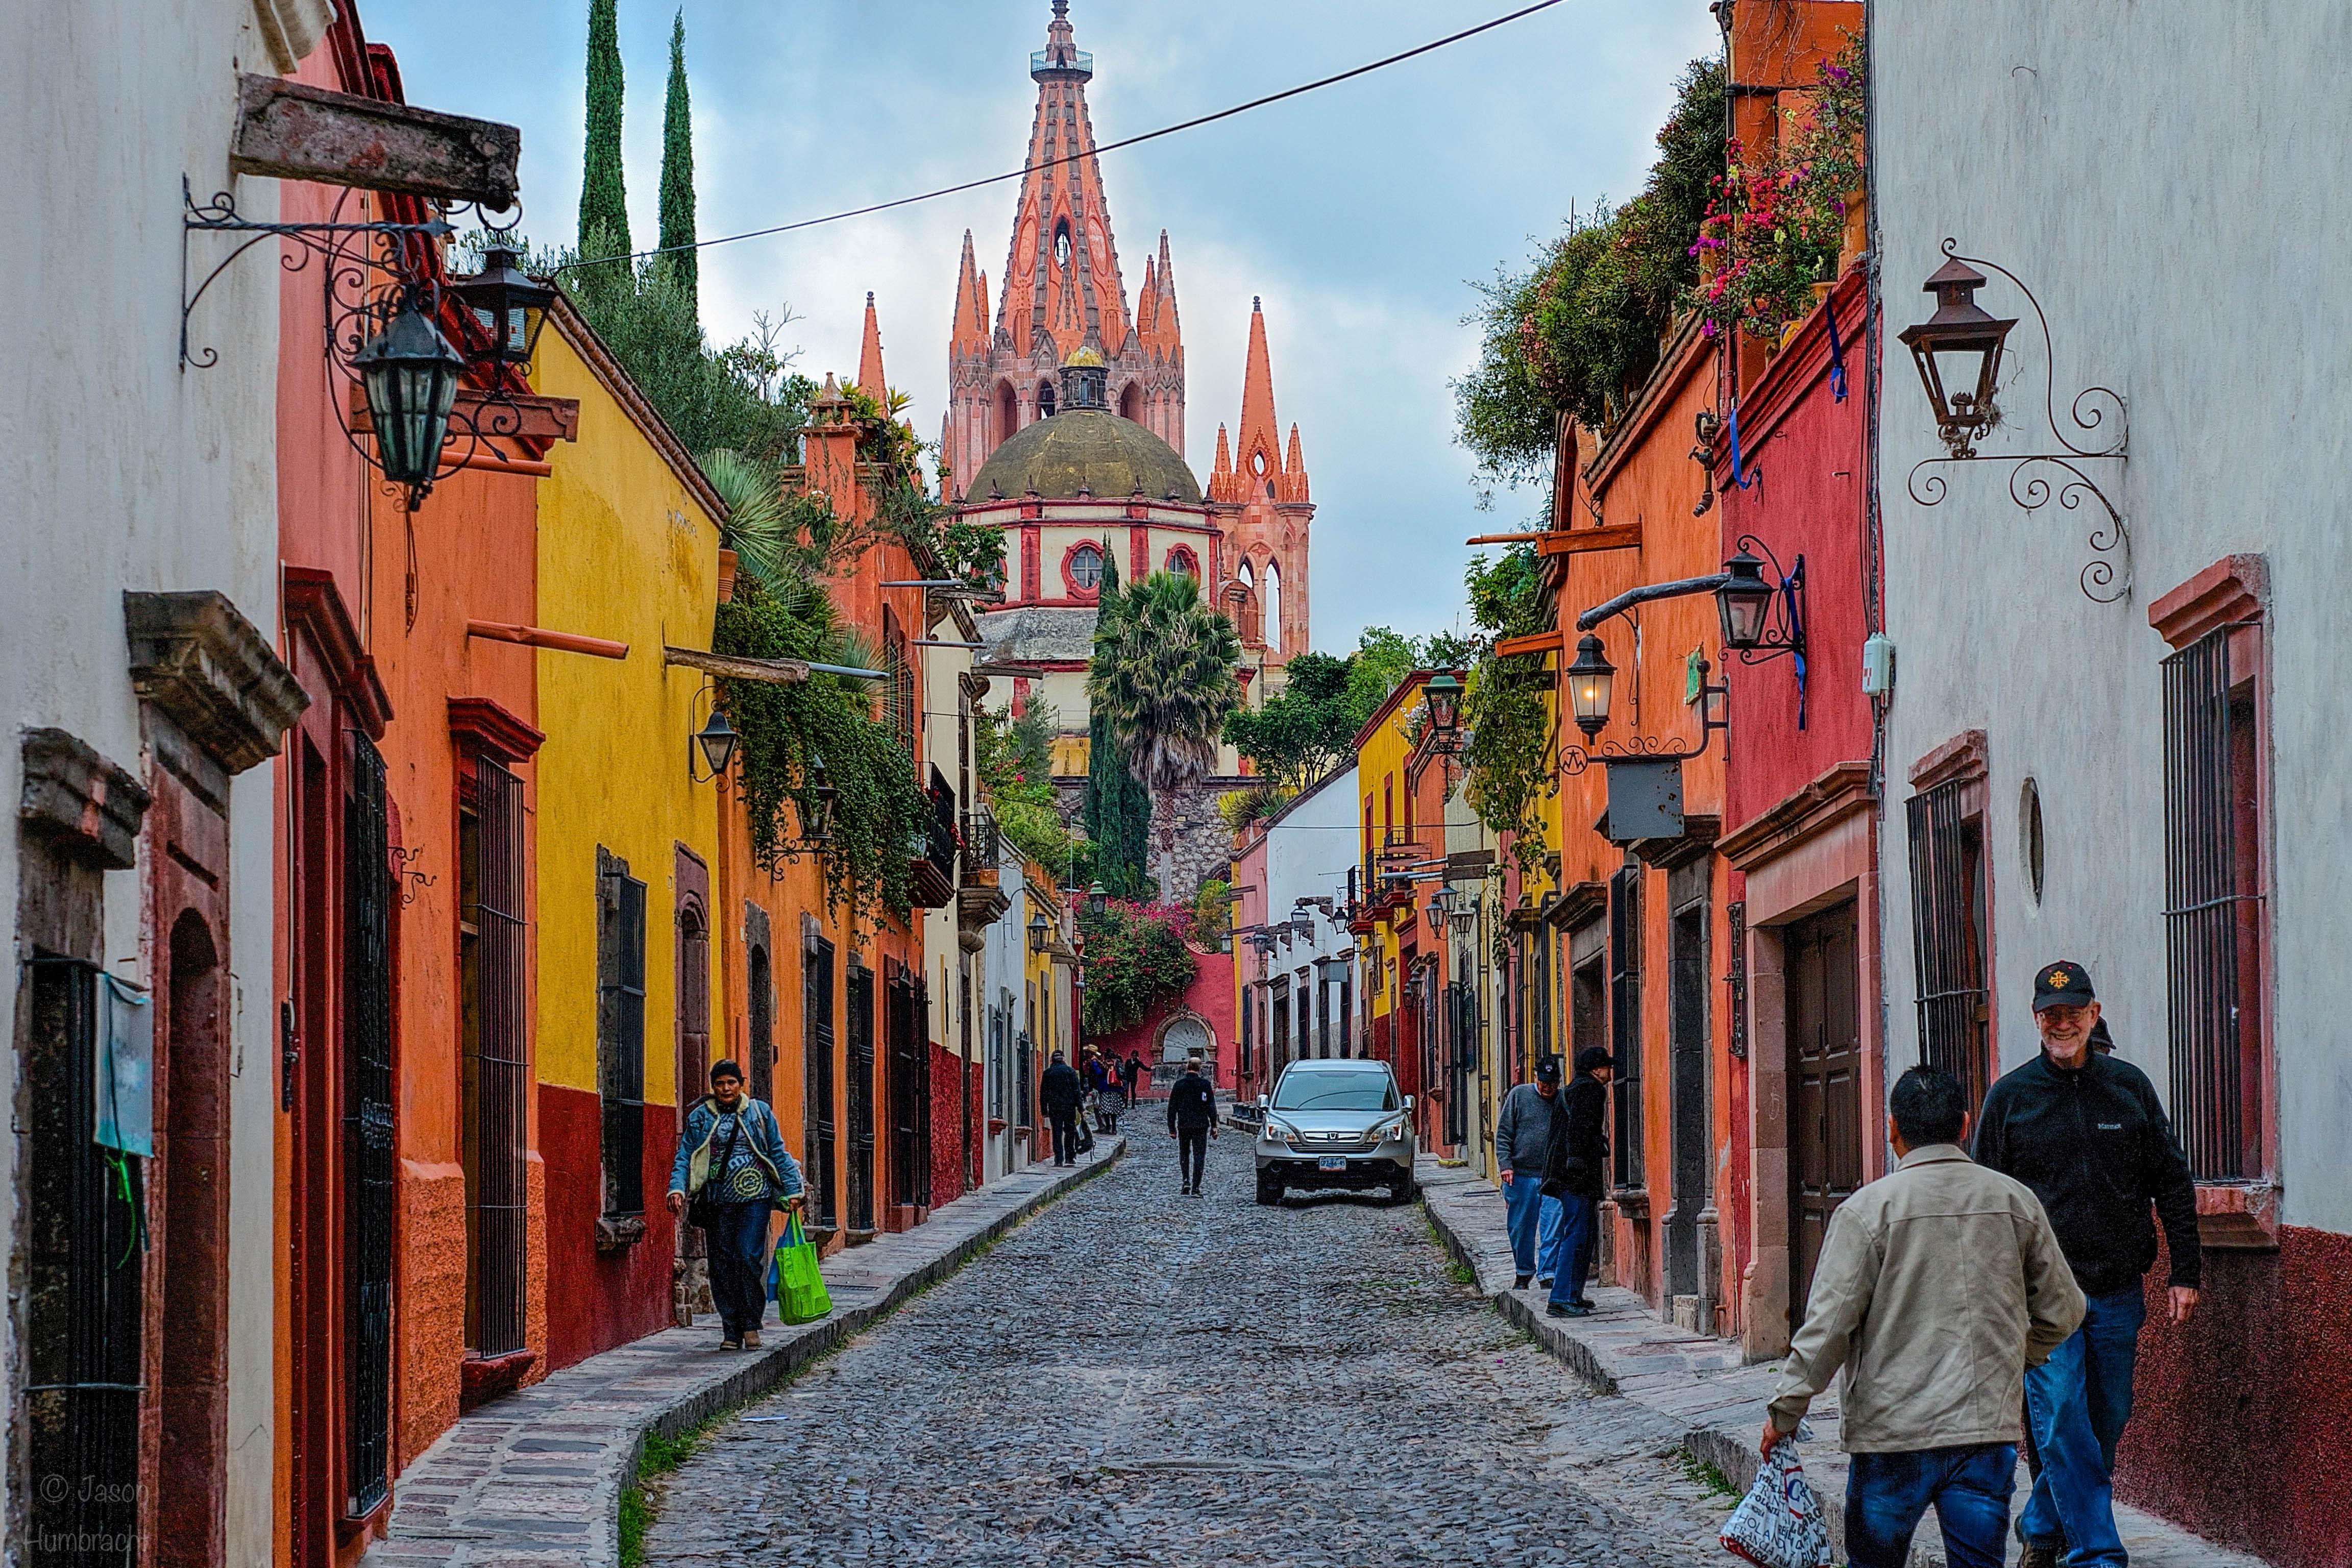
column 1522, row 1138
column 1193, row 1122
column 1576, row 1167
column 2085, row 1131
column 1059, row 1095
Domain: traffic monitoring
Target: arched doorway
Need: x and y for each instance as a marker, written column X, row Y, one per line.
column 1178, row 1038
column 195, row 1395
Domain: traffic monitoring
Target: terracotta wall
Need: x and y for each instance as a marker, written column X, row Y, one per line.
column 602, row 1298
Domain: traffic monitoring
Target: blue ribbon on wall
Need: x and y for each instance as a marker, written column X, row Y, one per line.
column 1789, row 585
column 1837, row 350
column 1740, row 475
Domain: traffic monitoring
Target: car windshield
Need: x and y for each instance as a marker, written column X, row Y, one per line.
column 1360, row 1088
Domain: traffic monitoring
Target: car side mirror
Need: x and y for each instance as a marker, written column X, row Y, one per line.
column 1408, row 1102
column 1261, row 1102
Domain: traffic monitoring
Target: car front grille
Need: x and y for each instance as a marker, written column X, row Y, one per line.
column 1334, row 1143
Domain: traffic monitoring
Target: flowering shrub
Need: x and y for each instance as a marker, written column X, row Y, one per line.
column 1136, row 956
column 1778, row 219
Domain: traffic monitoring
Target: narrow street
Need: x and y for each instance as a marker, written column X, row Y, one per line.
column 1135, row 1377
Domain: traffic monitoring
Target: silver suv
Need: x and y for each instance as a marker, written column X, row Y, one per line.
column 1336, row 1123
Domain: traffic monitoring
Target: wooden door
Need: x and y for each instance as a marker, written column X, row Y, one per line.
column 1822, row 976
column 1694, row 1114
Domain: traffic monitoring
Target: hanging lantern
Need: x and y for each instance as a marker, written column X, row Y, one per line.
column 1957, row 350
column 1589, row 682
column 409, row 373
column 717, row 738
column 816, row 815
column 510, row 303
column 1441, row 700
column 1744, row 602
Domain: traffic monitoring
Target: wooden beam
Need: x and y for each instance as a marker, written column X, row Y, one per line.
column 1552, row 641
column 290, row 130
column 555, row 642
column 781, row 671
column 1570, row 541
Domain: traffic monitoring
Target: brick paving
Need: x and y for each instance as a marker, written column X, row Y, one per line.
column 535, row 1477
column 1701, row 1386
column 1138, row 1377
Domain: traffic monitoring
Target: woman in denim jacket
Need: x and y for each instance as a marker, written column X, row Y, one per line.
column 731, row 1139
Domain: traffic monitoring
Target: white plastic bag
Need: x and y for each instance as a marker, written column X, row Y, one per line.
column 1779, row 1523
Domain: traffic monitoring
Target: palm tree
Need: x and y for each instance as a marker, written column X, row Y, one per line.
column 1163, row 677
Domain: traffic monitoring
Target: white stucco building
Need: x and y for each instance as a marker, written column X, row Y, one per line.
column 2129, row 750
column 141, row 691
column 1293, row 961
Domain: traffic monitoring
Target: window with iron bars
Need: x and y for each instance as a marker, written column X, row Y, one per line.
column 494, row 955
column 2213, row 902
column 1625, row 1022
column 1948, row 937
column 621, row 1032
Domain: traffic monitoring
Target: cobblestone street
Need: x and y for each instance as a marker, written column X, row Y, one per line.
column 1135, row 1377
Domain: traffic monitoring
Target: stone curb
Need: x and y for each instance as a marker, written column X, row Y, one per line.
column 432, row 1524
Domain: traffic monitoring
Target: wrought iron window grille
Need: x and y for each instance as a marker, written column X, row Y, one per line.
column 370, row 272
column 2107, row 577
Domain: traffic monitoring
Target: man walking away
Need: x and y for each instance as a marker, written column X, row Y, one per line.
column 1193, row 1122
column 1576, row 1165
column 731, row 1151
column 1059, row 1095
column 1938, row 1284
column 1522, row 1134
column 2086, row 1132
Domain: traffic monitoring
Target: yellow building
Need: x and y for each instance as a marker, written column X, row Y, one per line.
column 627, row 843
column 1387, row 910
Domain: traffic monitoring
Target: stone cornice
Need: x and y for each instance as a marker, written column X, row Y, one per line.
column 315, row 604
column 479, row 724
column 2234, row 588
column 207, row 668
column 1838, row 794
column 1961, row 758
column 88, row 806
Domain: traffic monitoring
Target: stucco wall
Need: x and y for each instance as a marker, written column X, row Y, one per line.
column 125, row 472
column 2168, row 182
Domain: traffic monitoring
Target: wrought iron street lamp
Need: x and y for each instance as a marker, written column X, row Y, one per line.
column 816, row 814
column 1441, row 702
column 1589, row 682
column 1957, row 350
column 716, row 741
column 511, row 304
column 1097, row 897
column 1039, row 928
column 1744, row 602
column 410, row 375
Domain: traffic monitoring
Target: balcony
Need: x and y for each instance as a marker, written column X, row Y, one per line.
column 981, row 854
column 934, row 854
column 1076, row 61
column 979, row 902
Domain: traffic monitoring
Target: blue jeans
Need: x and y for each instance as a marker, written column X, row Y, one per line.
column 1532, row 1218
column 1886, row 1494
column 2078, row 1401
column 1572, row 1260
column 739, row 1266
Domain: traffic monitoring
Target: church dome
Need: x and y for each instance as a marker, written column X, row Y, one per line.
column 1111, row 458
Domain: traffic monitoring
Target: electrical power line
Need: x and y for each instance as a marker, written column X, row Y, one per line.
column 1093, row 152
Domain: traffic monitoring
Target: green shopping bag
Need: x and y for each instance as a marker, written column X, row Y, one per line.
column 800, row 1290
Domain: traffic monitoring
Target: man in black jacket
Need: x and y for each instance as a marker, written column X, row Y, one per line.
column 1193, row 1122
column 1576, row 1165
column 1059, row 1095
column 2086, row 1132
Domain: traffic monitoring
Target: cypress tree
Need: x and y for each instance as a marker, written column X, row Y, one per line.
column 603, row 203
column 678, row 171
column 1117, row 810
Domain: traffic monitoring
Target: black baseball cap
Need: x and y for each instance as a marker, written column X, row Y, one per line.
column 1547, row 1068
column 2064, row 984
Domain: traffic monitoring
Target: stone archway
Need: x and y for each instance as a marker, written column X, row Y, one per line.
column 1182, row 1033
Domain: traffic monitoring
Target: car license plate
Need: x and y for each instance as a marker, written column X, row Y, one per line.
column 1332, row 1162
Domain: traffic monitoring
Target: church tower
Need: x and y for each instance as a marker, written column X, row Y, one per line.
column 1258, row 494
column 1062, row 290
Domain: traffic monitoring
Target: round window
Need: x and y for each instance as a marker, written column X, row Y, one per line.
column 2029, row 838
column 1087, row 567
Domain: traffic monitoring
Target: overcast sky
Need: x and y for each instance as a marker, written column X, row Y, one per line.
column 1359, row 213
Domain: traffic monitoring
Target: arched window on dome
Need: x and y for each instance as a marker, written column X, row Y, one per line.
column 1184, row 563
column 1083, row 568
column 1272, row 607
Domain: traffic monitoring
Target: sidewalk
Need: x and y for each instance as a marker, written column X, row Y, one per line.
column 536, row 1478
column 1700, row 1383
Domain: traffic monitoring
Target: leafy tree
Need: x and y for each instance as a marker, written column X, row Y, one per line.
column 1308, row 727
column 1136, row 958
column 604, row 203
column 678, row 171
column 1383, row 656
column 1164, row 678
column 1507, row 712
column 1117, row 815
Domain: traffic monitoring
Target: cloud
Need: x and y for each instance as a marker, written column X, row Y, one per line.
column 1358, row 213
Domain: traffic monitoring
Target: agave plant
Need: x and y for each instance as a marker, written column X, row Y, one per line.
column 1163, row 677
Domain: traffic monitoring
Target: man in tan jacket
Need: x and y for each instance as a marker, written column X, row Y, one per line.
column 1939, row 1284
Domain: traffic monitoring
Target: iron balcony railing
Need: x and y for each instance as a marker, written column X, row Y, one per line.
column 980, row 850
column 1065, row 60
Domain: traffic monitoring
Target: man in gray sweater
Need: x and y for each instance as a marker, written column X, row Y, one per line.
column 1521, row 1134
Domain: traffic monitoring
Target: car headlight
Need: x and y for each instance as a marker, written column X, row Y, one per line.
column 1280, row 1131
column 1393, row 1130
